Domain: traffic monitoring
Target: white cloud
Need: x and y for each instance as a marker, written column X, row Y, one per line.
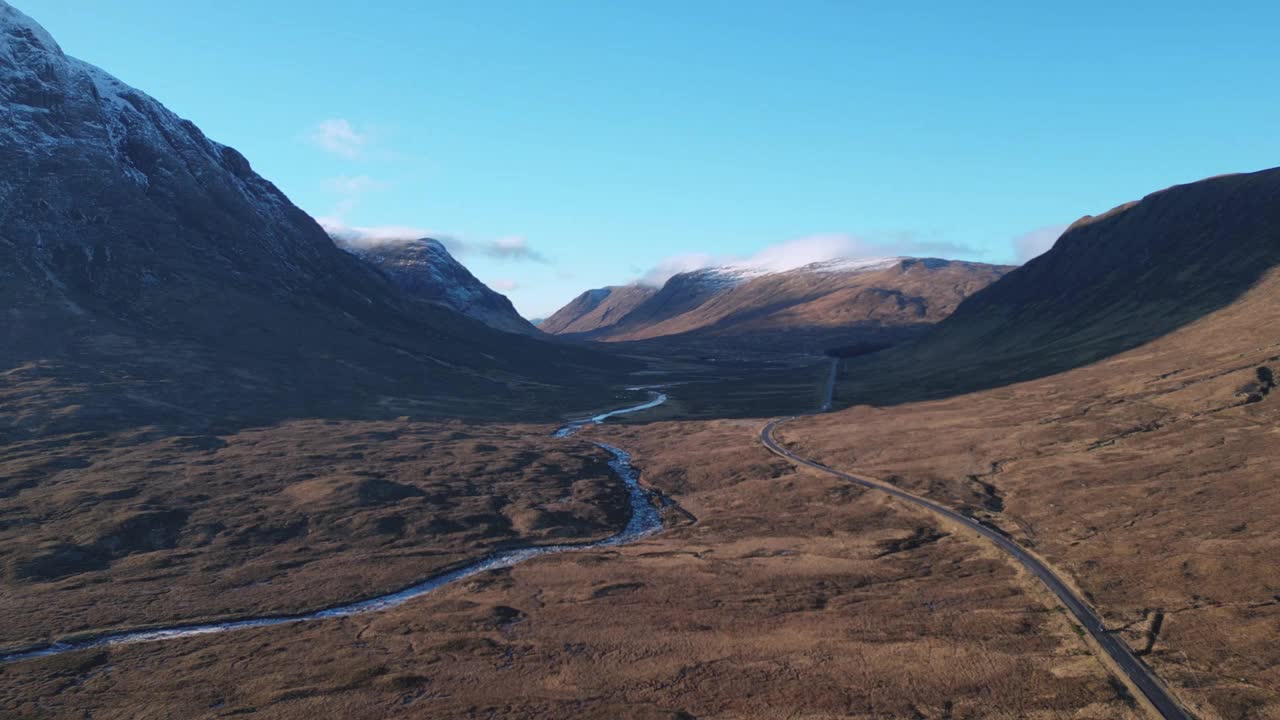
column 369, row 235
column 1037, row 241
column 806, row 250
column 675, row 265
column 339, row 137
column 355, row 184
column 504, row 285
column 513, row 243
column 350, row 190
column 801, row 251
column 509, row 247
column 504, row 248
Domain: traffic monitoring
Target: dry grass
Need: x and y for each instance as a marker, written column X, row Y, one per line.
column 1149, row 478
column 792, row 596
column 103, row 532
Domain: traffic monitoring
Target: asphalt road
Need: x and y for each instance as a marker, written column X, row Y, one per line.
column 1138, row 674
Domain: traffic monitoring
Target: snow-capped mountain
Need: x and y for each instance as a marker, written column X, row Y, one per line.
column 839, row 301
column 424, row 268
column 148, row 274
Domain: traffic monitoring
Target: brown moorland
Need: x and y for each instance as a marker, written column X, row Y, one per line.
column 1148, row 478
column 160, row 332
column 1146, row 473
column 151, row 529
column 791, row 596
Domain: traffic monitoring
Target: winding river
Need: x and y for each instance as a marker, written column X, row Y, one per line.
column 645, row 520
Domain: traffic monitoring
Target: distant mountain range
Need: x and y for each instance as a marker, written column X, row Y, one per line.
column 149, row 275
column 826, row 304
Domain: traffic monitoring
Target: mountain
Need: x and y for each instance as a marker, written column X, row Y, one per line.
column 1112, row 404
column 425, row 269
column 597, row 309
column 149, row 275
column 827, row 304
column 1111, row 283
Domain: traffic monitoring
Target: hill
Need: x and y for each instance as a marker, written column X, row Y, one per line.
column 596, row 310
column 1111, row 283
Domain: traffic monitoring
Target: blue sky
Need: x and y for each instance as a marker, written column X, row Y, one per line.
column 566, row 145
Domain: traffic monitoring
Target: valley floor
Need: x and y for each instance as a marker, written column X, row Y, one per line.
column 1147, row 478
column 1143, row 480
column 792, row 595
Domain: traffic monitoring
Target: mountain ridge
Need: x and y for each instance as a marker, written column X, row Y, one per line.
column 1111, row 282
column 829, row 302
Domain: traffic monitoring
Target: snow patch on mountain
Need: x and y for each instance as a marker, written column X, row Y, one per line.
column 424, row 268
column 729, row 276
column 852, row 265
column 54, row 105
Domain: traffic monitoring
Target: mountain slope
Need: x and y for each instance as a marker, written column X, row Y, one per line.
column 682, row 293
column 149, row 275
column 595, row 310
column 1111, row 283
column 425, row 269
column 827, row 304
column 1113, row 405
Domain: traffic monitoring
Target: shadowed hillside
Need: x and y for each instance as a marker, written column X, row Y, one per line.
column 1111, row 283
column 149, row 275
column 596, row 310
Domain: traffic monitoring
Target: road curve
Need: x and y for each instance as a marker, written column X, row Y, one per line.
column 1139, row 675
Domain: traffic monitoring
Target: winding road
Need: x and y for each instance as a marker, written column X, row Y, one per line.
column 645, row 520
column 1138, row 674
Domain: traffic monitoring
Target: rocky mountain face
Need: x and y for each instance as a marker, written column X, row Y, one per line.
column 148, row 274
column 597, row 309
column 425, row 269
column 824, row 305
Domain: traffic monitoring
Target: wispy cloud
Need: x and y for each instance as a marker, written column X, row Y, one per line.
column 801, row 251
column 350, row 190
column 368, row 235
column 1036, row 242
column 667, row 267
column 340, row 137
column 511, row 247
column 355, row 184
column 504, row 285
